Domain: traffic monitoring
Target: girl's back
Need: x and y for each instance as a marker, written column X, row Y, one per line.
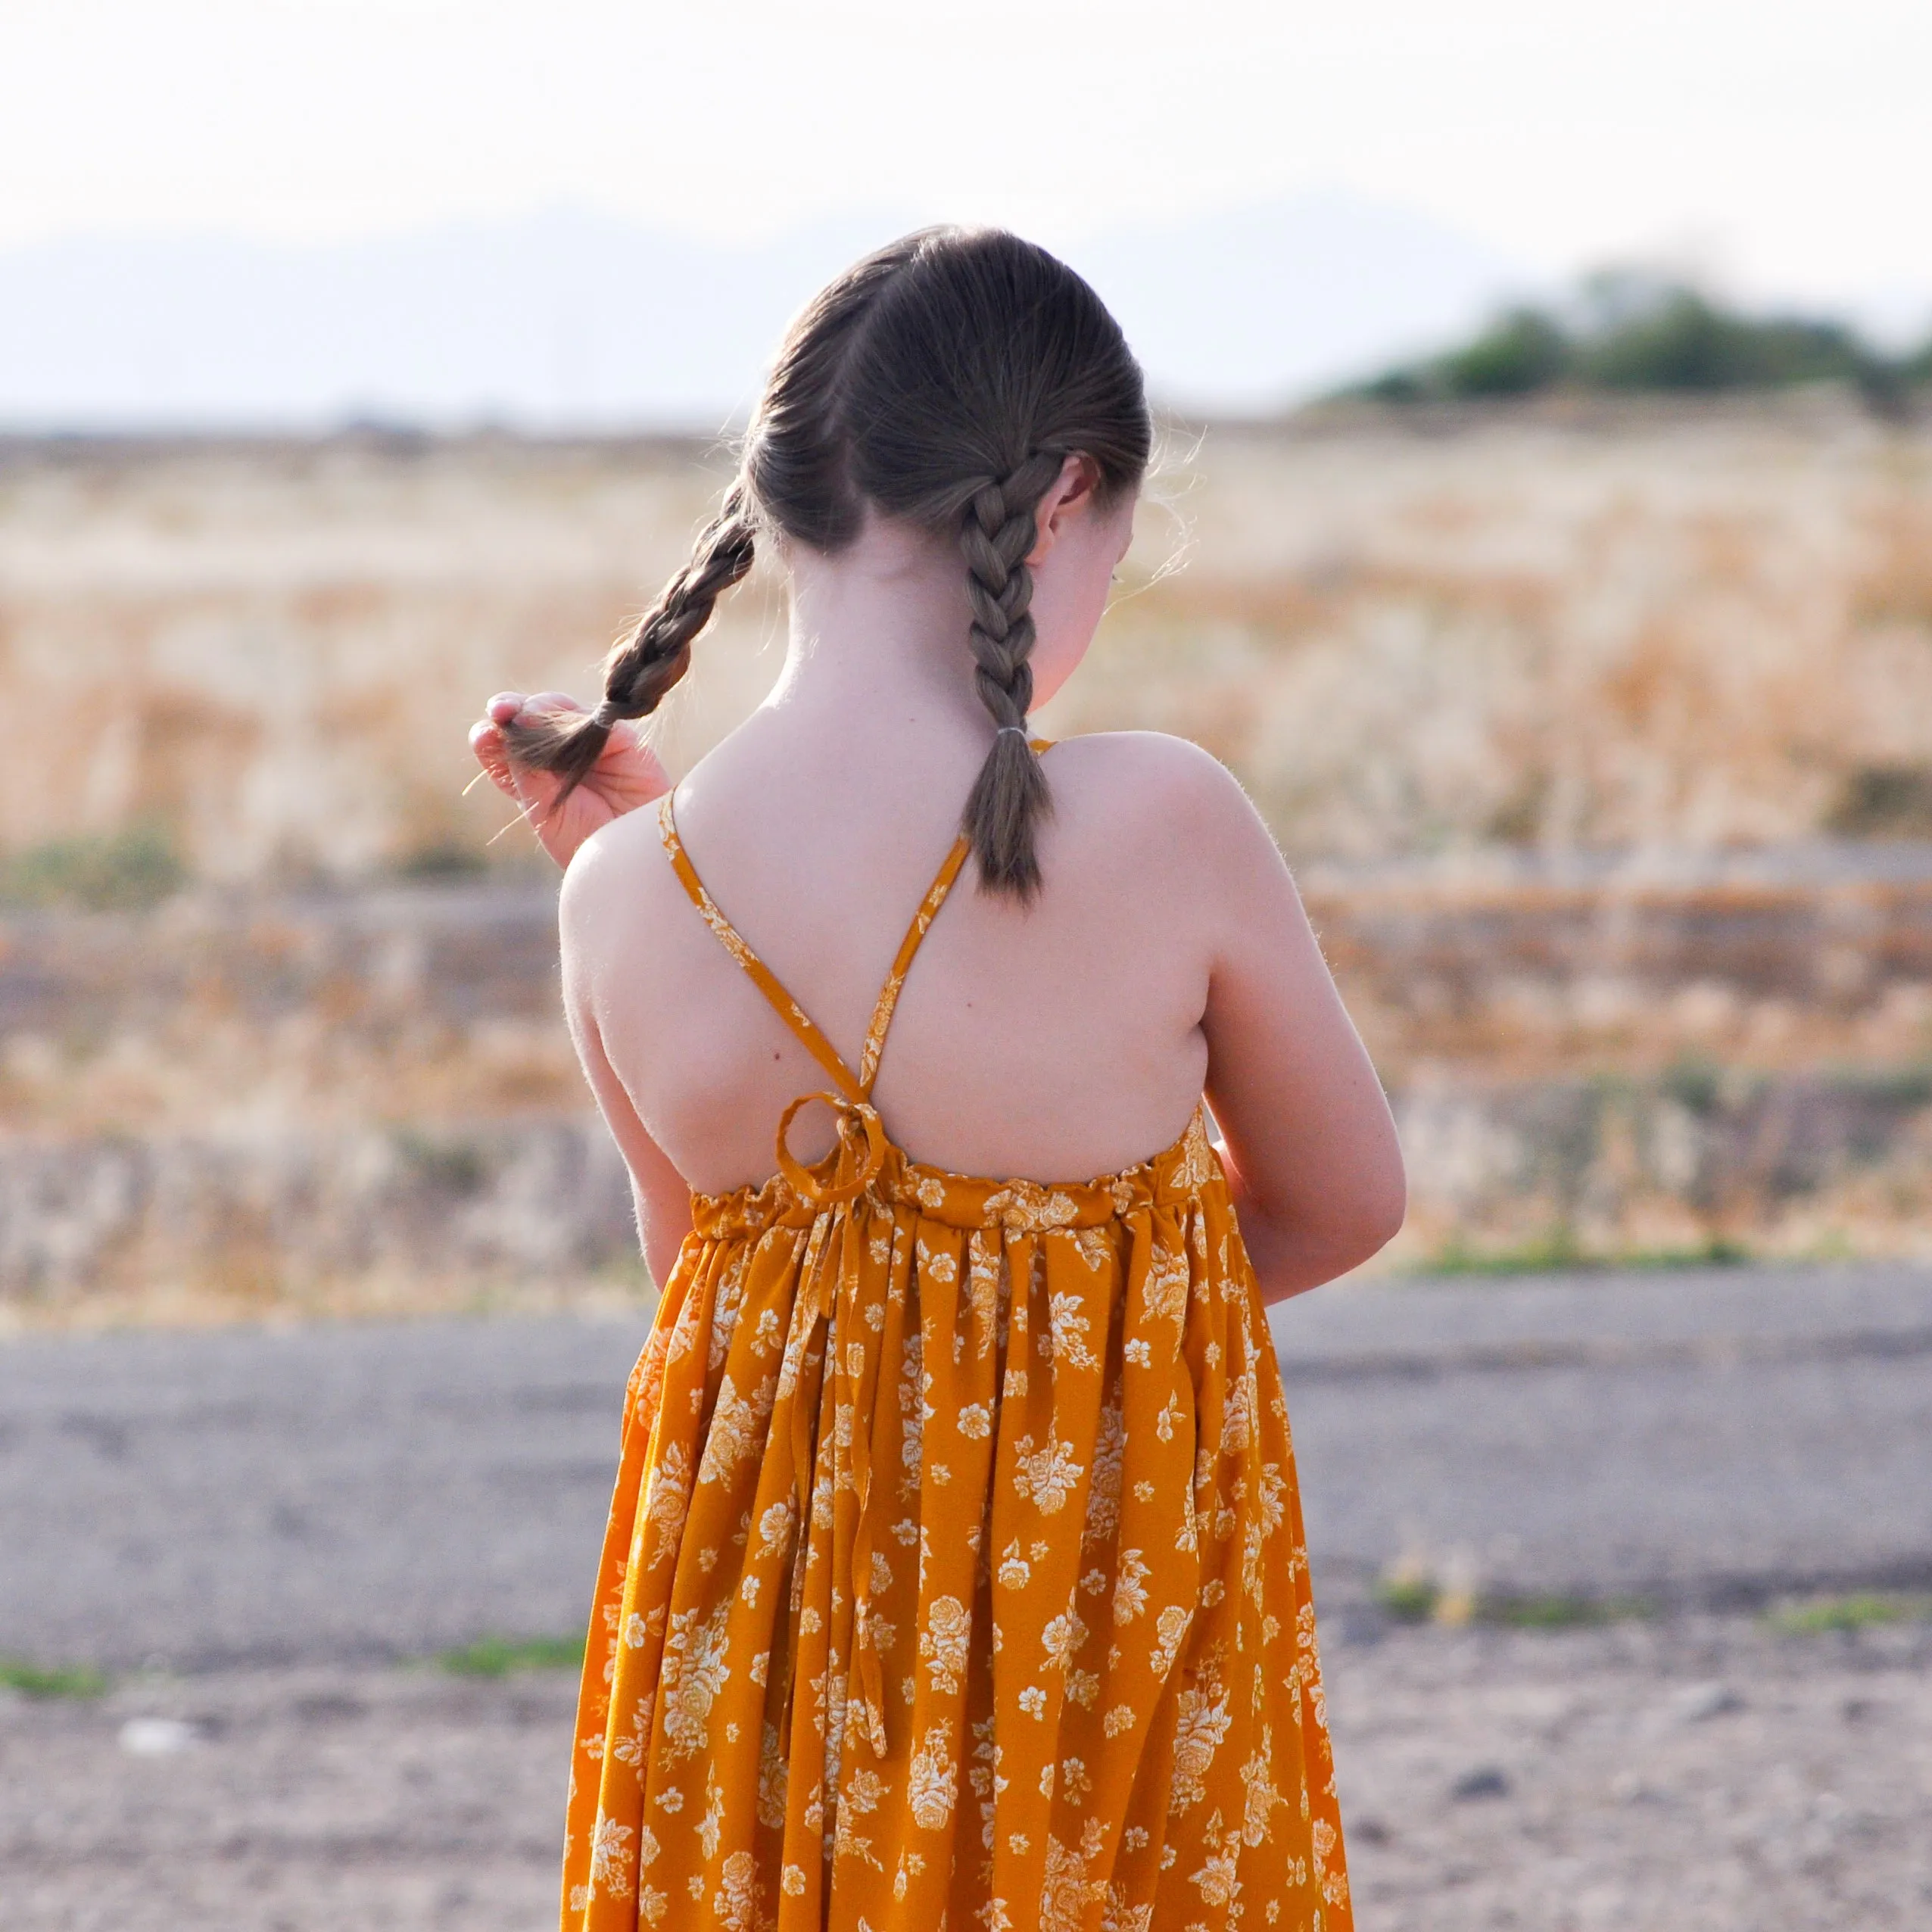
column 1055, row 1041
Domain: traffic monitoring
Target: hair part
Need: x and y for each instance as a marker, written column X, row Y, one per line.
column 945, row 379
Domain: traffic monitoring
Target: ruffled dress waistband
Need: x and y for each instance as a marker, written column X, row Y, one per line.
column 966, row 1200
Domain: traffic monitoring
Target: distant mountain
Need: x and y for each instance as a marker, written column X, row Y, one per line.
column 569, row 318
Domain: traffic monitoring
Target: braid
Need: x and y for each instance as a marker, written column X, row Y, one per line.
column 642, row 668
column 1010, row 795
column 658, row 652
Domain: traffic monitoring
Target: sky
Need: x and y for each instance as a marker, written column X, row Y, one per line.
column 1779, row 147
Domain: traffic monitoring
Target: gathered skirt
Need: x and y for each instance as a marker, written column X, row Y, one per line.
column 955, row 1577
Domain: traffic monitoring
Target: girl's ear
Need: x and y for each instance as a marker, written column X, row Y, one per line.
column 1069, row 495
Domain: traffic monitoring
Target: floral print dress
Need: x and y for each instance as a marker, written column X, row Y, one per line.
column 955, row 1577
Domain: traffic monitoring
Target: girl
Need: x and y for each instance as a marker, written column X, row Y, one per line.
column 955, row 1577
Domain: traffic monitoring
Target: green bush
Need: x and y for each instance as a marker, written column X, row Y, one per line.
column 443, row 859
column 58, row 1681
column 1681, row 341
column 1562, row 1612
column 453, row 1167
column 1695, row 1083
column 1408, row 1598
column 1558, row 1252
column 124, row 871
column 1635, row 333
column 1883, row 802
column 1520, row 352
column 497, row 1656
column 1855, row 1612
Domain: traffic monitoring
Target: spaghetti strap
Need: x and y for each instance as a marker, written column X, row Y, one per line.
column 767, row 982
column 922, row 919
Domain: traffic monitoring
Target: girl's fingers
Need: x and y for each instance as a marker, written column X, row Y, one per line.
column 486, row 736
column 504, row 707
column 486, row 742
column 626, row 774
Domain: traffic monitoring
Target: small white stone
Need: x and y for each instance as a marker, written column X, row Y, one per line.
column 1696, row 1702
column 157, row 1737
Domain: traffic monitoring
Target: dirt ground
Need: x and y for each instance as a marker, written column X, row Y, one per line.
column 1705, row 1773
column 1702, row 1774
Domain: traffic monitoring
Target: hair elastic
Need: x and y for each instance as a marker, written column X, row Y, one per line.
column 1005, row 728
column 607, row 716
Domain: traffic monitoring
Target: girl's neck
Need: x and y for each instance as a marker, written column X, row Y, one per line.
column 877, row 643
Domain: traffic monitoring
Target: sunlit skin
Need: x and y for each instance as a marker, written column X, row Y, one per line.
column 1168, row 951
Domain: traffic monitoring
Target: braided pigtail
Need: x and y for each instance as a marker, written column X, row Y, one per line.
column 1010, row 796
column 642, row 668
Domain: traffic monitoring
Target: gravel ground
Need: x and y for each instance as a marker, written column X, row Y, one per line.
column 1694, row 1772
column 352, row 1799
column 1697, row 1773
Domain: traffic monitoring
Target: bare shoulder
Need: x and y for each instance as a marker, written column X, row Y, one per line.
column 1146, row 791
column 616, row 876
column 1159, row 827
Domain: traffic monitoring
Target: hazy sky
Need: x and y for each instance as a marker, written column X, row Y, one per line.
column 1783, row 144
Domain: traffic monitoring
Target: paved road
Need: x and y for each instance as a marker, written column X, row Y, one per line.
column 1712, row 1439
column 371, row 1491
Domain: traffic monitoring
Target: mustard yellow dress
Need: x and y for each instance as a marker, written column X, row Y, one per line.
column 955, row 1578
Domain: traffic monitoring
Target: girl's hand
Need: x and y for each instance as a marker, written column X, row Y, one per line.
column 626, row 775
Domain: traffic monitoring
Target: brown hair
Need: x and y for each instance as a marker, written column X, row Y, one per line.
column 945, row 379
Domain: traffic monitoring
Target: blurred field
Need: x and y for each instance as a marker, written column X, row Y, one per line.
column 268, row 653
column 1636, row 628
column 1601, row 738
column 1609, row 628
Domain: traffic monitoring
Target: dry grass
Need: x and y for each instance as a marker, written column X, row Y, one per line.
column 1690, row 633
column 274, row 653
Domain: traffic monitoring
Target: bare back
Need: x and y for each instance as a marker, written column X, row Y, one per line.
column 1054, row 1041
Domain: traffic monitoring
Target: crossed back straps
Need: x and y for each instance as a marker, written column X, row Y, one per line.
column 855, row 1087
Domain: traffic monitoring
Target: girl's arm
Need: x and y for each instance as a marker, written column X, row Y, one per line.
column 663, row 1201
column 1310, row 1149
column 626, row 776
